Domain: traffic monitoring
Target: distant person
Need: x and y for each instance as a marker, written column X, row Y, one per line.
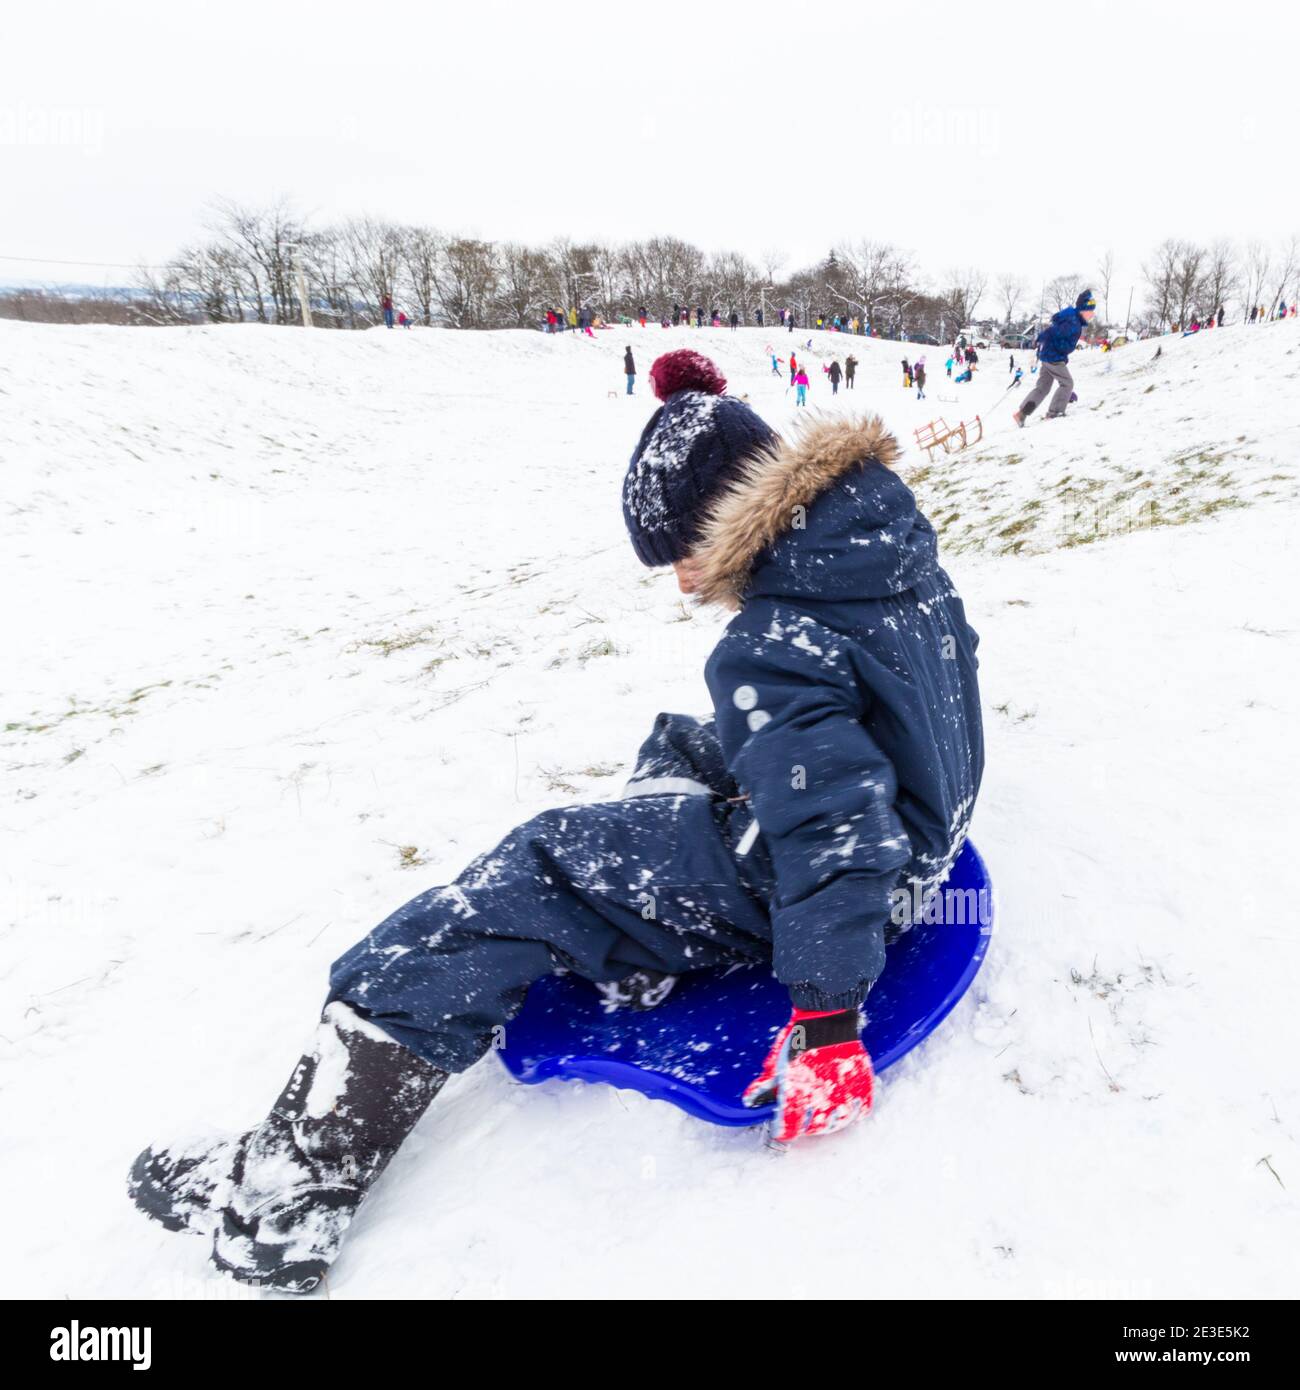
column 801, row 387
column 850, row 369
column 1055, row 344
column 629, row 369
column 918, row 375
column 386, row 304
column 836, row 373
column 907, row 374
column 735, row 320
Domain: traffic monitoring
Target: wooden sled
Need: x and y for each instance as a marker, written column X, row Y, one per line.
column 952, row 438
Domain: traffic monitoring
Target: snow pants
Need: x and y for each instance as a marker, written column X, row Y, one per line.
column 666, row 879
column 1053, row 374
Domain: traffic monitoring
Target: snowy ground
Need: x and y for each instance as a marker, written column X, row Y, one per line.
column 300, row 622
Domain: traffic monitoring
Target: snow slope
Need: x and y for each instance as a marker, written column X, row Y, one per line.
column 300, row 622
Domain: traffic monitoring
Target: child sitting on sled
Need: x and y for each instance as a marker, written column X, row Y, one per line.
column 840, row 766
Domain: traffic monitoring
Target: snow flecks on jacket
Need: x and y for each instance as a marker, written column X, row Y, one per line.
column 856, row 649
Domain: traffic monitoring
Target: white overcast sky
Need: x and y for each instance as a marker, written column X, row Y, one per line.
column 1019, row 137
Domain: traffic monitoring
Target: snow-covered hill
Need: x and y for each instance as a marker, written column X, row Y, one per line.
column 297, row 623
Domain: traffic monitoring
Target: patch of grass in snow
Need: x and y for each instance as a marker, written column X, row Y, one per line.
column 598, row 646
column 113, row 709
column 557, row 780
column 398, row 642
column 409, row 857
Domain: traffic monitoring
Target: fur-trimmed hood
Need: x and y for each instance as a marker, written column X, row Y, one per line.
column 821, row 515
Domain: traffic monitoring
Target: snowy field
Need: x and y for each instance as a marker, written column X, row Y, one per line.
column 298, row 623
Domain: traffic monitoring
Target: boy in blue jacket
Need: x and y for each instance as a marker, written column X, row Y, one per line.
column 1055, row 344
column 826, row 797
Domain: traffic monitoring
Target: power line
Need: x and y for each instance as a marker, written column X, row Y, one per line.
column 107, row 265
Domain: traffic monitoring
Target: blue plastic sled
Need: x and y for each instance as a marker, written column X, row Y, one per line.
column 702, row 1046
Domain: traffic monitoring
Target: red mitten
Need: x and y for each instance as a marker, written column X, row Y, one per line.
column 817, row 1072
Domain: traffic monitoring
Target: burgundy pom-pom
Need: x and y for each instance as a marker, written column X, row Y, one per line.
column 685, row 370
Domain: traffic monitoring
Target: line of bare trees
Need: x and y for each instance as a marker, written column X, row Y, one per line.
column 251, row 265
column 1186, row 281
column 247, row 270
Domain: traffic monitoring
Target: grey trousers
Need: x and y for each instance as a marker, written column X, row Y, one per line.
column 1049, row 373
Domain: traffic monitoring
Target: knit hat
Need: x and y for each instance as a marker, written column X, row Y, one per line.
column 694, row 444
column 1086, row 301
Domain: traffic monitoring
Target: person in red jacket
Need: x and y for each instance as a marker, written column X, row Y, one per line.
column 386, row 304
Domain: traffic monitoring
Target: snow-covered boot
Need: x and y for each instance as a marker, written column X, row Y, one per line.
column 296, row 1181
column 176, row 1185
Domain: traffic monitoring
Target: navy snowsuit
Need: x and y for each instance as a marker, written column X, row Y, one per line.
column 654, row 881
column 1061, row 336
column 842, row 766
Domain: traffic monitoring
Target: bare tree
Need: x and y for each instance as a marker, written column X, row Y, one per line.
column 879, row 279
column 374, row 257
column 1189, row 278
column 1063, row 290
column 263, row 239
column 1258, row 270
column 1011, row 291
column 962, row 294
column 1284, row 267
column 521, row 285
column 573, row 278
column 1105, row 276
column 674, row 270
column 1220, row 277
column 465, row 276
column 1160, row 274
column 417, row 251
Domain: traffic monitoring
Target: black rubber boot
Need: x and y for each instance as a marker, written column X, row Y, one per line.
column 297, row 1180
column 176, row 1185
column 277, row 1200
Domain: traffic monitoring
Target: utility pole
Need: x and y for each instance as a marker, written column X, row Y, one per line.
column 301, row 276
column 1128, row 312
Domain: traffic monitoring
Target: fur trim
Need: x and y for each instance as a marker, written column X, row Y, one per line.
column 759, row 506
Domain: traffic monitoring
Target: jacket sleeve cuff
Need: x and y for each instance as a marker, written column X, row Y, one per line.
column 807, row 996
